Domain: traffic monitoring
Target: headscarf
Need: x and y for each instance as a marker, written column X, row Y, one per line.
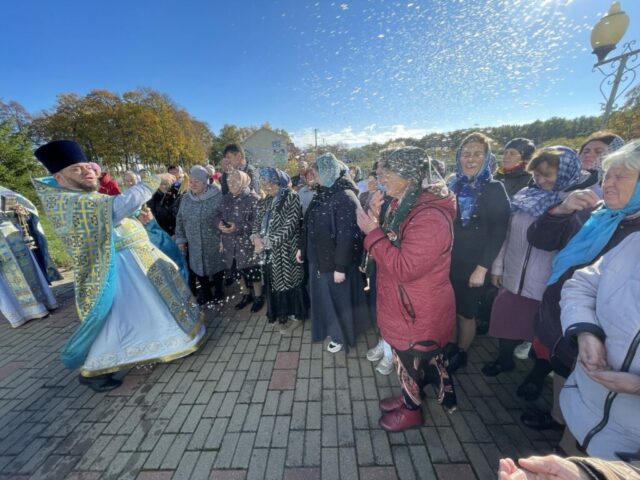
column 411, row 163
column 96, row 168
column 593, row 236
column 277, row 177
column 466, row 189
column 245, row 180
column 534, row 200
column 329, row 169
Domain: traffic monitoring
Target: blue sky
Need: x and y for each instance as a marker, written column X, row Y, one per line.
column 356, row 70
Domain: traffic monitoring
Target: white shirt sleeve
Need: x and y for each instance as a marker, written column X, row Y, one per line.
column 129, row 201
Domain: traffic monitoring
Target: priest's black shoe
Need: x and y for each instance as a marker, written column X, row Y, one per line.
column 100, row 383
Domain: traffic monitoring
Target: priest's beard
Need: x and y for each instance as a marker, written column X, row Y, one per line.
column 73, row 184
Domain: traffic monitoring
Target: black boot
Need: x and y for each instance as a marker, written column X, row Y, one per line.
column 258, row 303
column 100, row 383
column 496, row 367
column 457, row 360
column 246, row 300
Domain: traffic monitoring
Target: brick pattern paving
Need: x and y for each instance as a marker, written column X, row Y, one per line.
column 251, row 404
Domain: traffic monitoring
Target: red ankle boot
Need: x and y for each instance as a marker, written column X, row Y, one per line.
column 401, row 419
column 392, row 403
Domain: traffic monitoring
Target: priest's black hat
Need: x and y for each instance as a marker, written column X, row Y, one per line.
column 60, row 154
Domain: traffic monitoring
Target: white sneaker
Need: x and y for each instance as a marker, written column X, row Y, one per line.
column 334, row 347
column 385, row 366
column 522, row 350
column 376, row 353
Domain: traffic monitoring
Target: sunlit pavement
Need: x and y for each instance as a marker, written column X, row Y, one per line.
column 250, row 404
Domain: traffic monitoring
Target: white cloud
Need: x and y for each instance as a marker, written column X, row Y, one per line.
column 354, row 138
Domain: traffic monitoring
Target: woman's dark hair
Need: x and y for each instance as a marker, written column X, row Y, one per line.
column 550, row 156
column 604, row 136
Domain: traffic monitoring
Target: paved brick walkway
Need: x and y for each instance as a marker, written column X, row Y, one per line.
column 251, row 404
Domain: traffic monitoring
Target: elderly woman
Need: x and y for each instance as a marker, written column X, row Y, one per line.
column 595, row 147
column 600, row 401
column 236, row 216
column 479, row 232
column 521, row 270
column 276, row 233
column 130, row 178
column 576, row 228
column 415, row 301
column 332, row 243
column 513, row 172
column 197, row 232
column 163, row 206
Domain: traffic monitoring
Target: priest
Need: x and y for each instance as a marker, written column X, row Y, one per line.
column 134, row 306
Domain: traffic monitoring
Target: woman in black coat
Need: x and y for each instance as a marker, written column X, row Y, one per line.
column 332, row 243
column 479, row 231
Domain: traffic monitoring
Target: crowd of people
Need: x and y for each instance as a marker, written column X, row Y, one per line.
column 546, row 243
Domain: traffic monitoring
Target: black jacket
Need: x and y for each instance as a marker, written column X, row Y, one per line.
column 164, row 209
column 480, row 241
column 514, row 181
column 331, row 238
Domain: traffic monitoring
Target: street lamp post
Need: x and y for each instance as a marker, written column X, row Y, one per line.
column 619, row 69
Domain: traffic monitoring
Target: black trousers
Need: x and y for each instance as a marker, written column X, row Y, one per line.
column 203, row 293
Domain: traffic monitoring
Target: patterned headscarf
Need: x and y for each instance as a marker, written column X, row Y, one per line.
column 466, row 189
column 329, row 169
column 535, row 201
column 245, row 180
column 275, row 176
column 413, row 163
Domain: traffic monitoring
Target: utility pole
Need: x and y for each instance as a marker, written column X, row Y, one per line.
column 315, row 134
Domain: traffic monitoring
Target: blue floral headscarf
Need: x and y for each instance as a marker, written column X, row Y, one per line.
column 467, row 188
column 535, row 201
column 275, row 176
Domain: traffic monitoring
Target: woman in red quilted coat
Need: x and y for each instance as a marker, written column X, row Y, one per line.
column 415, row 303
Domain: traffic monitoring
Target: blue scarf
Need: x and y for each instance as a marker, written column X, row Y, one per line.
column 466, row 189
column 535, row 201
column 593, row 236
